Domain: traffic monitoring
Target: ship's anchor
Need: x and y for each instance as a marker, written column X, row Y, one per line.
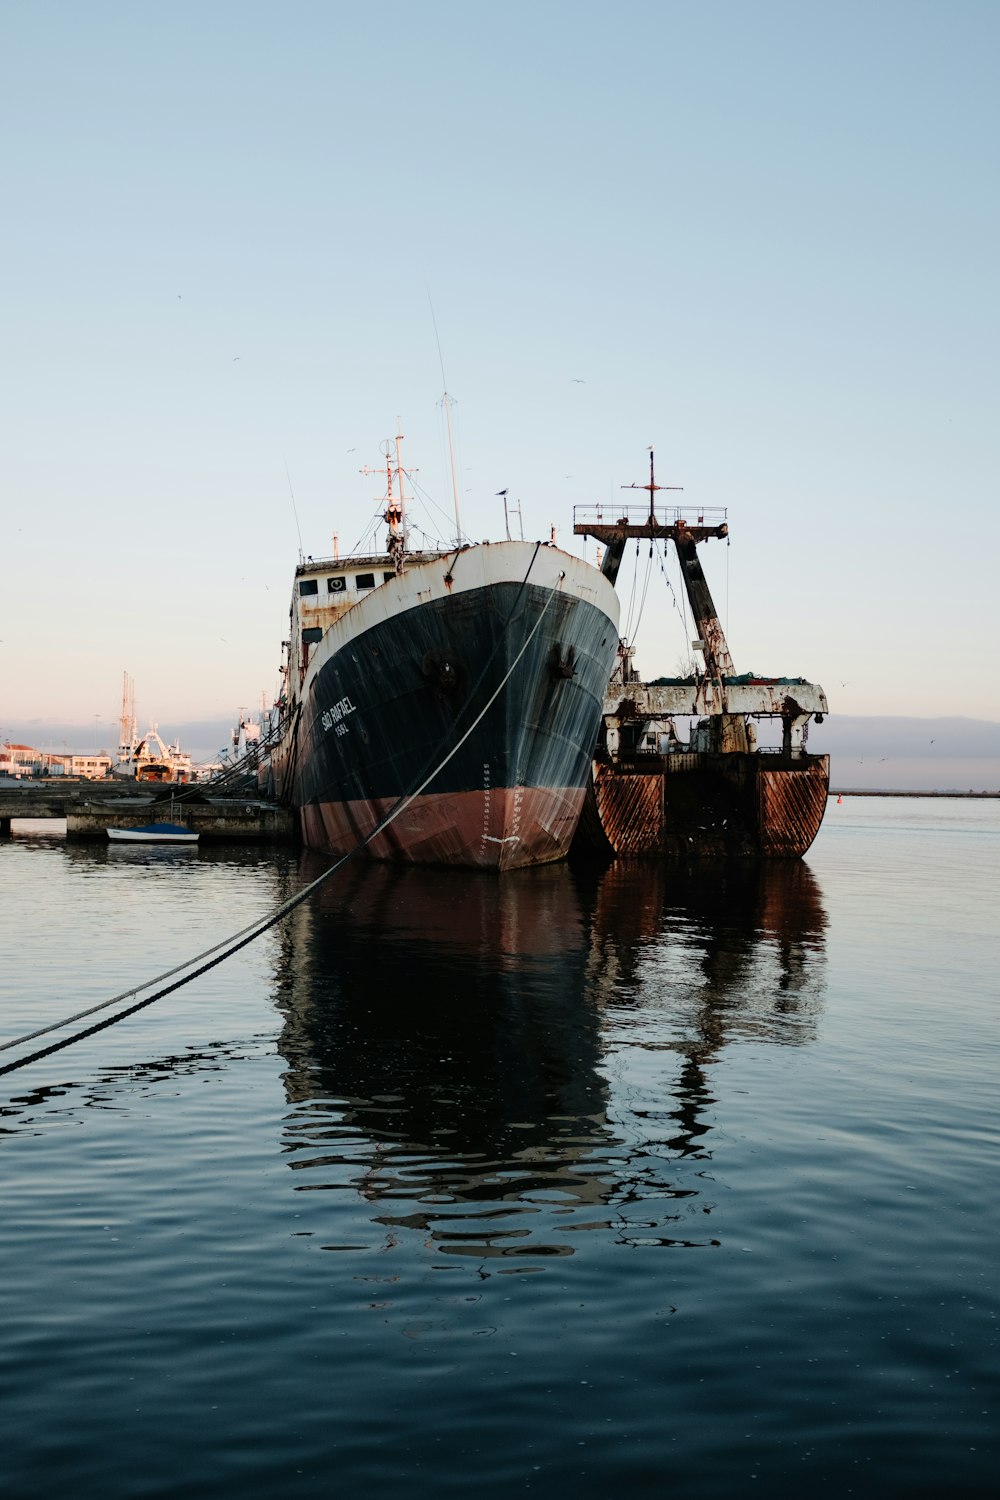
column 560, row 667
column 444, row 670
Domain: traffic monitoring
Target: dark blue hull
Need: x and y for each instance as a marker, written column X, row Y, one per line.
column 470, row 720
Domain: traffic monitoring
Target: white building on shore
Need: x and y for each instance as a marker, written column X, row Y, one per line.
column 24, row 760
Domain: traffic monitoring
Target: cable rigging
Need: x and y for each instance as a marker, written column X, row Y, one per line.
column 210, row 958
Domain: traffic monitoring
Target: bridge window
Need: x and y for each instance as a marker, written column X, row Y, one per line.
column 365, row 580
column 336, row 585
column 308, row 586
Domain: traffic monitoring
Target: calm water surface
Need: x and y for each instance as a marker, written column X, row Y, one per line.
column 633, row 1183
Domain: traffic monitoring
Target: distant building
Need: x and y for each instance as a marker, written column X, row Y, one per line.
column 25, row 760
column 19, row 760
column 93, row 767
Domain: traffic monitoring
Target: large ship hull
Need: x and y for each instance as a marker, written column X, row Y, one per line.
column 450, row 717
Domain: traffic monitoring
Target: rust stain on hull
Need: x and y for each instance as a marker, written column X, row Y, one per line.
column 630, row 810
column 705, row 806
column 790, row 807
column 504, row 828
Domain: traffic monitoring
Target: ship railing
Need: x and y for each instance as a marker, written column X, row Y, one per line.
column 375, row 559
column 611, row 512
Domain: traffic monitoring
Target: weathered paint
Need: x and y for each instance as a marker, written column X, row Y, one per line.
column 702, row 805
column 474, row 680
column 790, row 805
column 761, row 696
column 718, row 797
column 500, row 828
column 630, row 809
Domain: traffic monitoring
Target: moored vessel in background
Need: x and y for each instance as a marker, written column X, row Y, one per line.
column 244, row 765
column 150, row 759
column 441, row 706
column 715, row 793
column 147, row 758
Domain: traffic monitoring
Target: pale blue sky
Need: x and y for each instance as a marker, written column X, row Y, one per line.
column 762, row 237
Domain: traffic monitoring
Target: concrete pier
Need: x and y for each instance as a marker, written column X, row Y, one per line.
column 90, row 808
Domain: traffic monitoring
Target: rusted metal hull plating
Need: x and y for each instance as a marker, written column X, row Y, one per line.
column 700, row 805
column 715, row 796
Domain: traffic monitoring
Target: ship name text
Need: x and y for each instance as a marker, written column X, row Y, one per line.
column 333, row 718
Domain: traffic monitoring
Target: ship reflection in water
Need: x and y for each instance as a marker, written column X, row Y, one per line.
column 501, row 1065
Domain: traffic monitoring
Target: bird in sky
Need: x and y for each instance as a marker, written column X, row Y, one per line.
column 575, row 381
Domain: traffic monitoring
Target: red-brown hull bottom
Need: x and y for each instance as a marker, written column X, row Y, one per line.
column 499, row 829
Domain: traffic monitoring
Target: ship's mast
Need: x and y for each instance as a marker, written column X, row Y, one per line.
column 685, row 537
column 653, row 488
column 395, row 508
column 126, row 735
column 395, row 502
column 616, row 549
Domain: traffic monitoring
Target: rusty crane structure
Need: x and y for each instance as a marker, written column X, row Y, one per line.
column 715, row 793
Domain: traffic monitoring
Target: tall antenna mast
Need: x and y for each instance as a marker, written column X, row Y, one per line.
column 399, row 466
column 447, row 402
column 298, row 529
column 652, row 487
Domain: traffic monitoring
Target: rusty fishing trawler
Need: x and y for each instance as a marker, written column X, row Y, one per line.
column 714, row 793
column 441, row 706
column 147, row 758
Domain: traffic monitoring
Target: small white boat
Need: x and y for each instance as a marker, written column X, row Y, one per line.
column 154, row 833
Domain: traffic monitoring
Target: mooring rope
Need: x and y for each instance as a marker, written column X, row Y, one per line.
column 247, row 935
column 225, row 780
